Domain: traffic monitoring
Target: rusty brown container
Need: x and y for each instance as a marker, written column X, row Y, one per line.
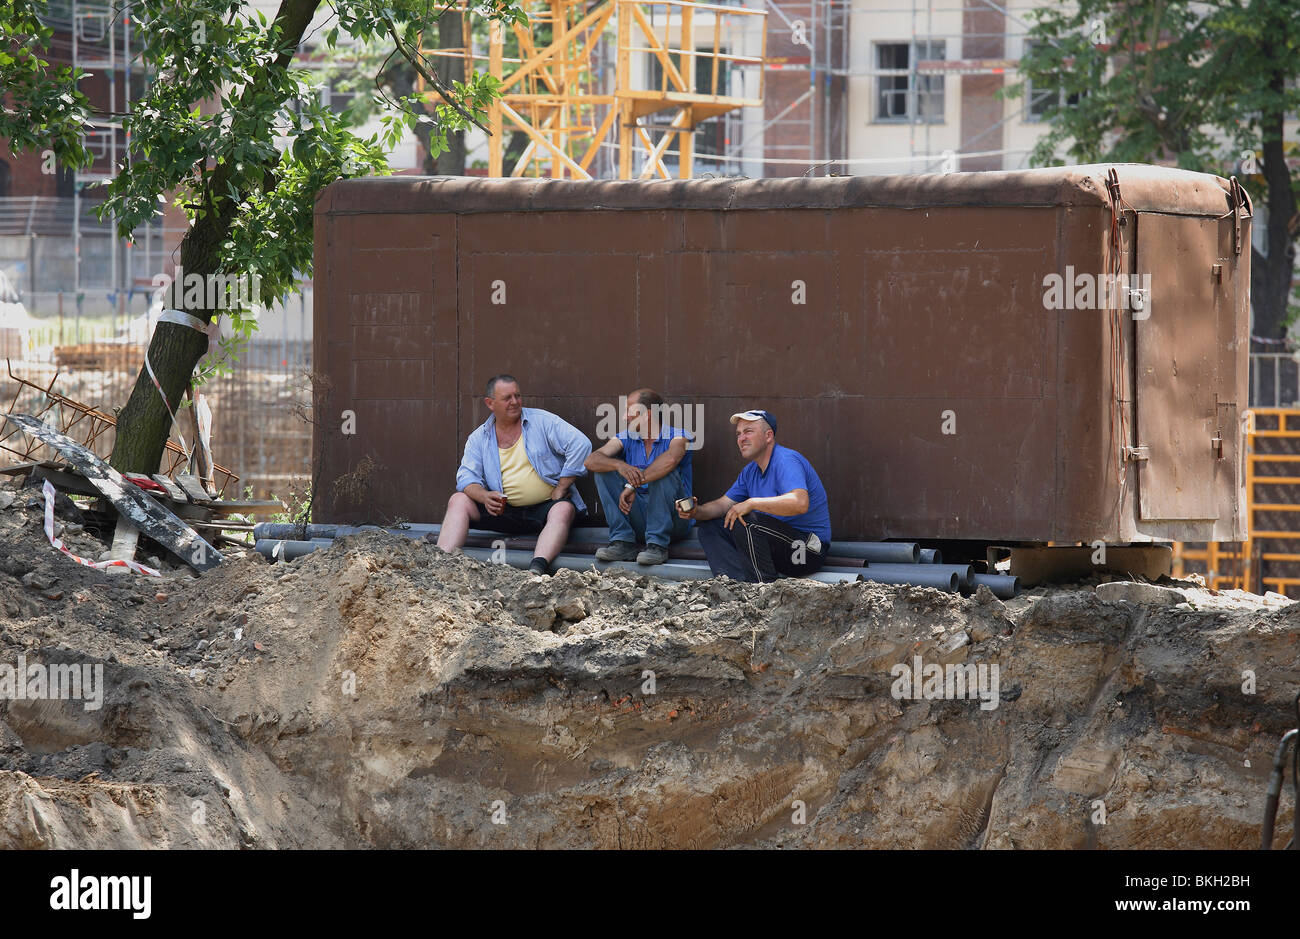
column 939, row 347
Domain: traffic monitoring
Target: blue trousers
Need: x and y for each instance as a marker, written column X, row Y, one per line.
column 653, row 518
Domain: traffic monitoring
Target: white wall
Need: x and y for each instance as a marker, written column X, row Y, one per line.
column 918, row 147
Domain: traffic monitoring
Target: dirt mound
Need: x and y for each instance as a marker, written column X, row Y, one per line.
column 382, row 693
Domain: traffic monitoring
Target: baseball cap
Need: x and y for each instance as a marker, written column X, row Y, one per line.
column 755, row 415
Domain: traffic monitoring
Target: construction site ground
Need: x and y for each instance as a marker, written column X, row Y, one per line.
column 384, row 694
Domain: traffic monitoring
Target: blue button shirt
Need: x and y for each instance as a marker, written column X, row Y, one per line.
column 554, row 447
column 786, row 470
column 634, row 452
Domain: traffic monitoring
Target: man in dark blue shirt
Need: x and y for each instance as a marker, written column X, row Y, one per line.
column 637, row 491
column 774, row 520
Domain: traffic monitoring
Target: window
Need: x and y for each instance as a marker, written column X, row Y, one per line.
column 710, row 135
column 897, row 100
column 1040, row 98
column 338, row 99
column 703, row 72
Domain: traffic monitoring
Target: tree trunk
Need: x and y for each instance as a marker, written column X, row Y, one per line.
column 452, row 161
column 1271, row 277
column 144, row 424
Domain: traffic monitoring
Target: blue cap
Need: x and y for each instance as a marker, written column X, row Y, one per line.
column 755, row 415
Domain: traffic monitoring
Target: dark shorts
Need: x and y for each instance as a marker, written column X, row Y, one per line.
column 517, row 519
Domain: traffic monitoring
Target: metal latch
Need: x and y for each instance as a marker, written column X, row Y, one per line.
column 1136, row 454
column 1137, row 302
column 1216, row 442
column 1238, row 198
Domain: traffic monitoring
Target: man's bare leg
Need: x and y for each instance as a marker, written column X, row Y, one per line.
column 456, row 521
column 556, row 532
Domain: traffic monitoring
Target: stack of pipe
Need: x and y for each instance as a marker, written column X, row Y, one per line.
column 886, row 562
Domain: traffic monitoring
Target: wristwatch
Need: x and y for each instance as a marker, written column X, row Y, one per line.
column 628, row 486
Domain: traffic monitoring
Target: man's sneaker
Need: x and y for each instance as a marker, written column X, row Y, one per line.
column 617, row 551
column 653, row 554
column 539, row 566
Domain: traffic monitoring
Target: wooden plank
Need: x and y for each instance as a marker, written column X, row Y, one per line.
column 125, row 538
column 174, row 492
column 241, row 504
column 234, row 507
column 193, row 488
column 133, row 503
column 27, row 467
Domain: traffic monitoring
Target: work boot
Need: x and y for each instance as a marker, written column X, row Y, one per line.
column 617, row 551
column 539, row 566
column 653, row 554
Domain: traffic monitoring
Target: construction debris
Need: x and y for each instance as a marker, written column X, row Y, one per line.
column 140, row 509
column 140, row 504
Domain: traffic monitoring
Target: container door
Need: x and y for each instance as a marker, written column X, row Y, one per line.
column 1178, row 365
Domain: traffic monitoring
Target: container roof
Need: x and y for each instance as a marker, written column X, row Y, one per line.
column 1145, row 188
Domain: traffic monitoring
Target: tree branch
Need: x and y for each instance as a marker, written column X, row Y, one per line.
column 443, row 91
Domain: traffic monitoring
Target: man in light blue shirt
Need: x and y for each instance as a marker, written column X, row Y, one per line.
column 641, row 473
column 516, row 476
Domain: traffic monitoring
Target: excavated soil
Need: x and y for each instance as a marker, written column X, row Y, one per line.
column 384, row 694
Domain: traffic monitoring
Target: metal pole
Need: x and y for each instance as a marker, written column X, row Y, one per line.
column 76, row 192
column 963, row 571
column 112, row 165
column 1004, row 587
column 924, row 576
column 31, row 271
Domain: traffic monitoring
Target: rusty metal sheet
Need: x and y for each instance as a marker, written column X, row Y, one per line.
column 1178, row 368
column 921, row 297
column 1146, row 189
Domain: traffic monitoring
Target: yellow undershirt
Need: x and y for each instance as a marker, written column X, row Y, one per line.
column 519, row 481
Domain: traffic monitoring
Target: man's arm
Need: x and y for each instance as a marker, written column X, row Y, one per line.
column 667, row 461
column 707, row 510
column 562, row 487
column 794, row 502
column 604, row 461
column 566, row 439
column 490, row 499
column 471, row 480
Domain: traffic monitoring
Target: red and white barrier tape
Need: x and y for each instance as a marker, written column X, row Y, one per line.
column 97, row 565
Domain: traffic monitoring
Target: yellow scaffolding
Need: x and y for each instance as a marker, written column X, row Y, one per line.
column 1244, row 561
column 549, row 92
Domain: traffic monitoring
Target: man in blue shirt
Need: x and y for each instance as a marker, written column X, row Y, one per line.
column 638, row 490
column 774, row 521
column 517, row 474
